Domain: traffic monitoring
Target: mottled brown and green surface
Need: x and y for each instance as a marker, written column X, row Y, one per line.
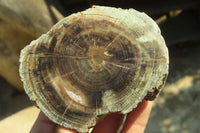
column 91, row 63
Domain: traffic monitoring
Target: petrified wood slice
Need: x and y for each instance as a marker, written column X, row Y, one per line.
column 95, row 62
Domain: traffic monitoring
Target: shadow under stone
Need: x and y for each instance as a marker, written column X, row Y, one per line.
column 11, row 101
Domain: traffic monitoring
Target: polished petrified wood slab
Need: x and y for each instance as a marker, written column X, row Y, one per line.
column 95, row 62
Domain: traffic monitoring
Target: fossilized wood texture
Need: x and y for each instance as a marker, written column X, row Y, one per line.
column 94, row 62
column 21, row 22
